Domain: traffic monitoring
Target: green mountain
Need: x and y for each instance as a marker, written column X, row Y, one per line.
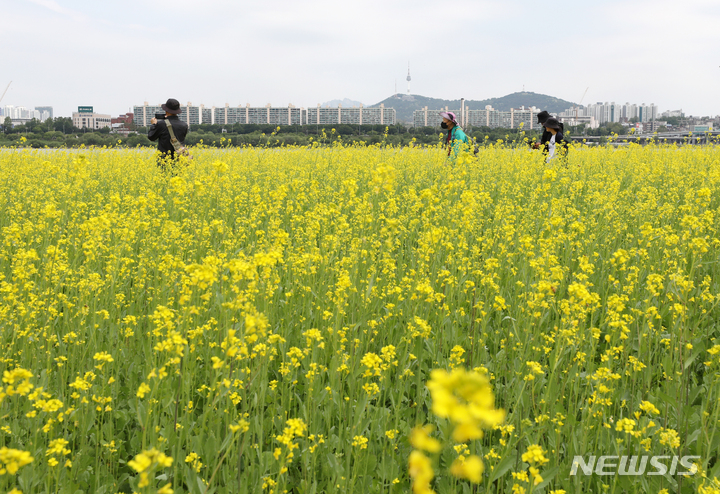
column 406, row 104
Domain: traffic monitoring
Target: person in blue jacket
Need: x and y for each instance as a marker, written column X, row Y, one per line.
column 456, row 139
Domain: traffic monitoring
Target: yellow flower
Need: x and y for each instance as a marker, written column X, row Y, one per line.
column 57, row 447
column 13, row 459
column 16, row 375
column 465, row 398
column 626, row 425
column 669, row 437
column 242, row 426
column 420, row 439
column 143, row 390
column 103, row 357
column 534, row 455
column 148, row 459
column 470, row 468
column 166, row 489
column 360, row 441
column 535, row 475
column 421, row 473
column 194, row 461
column 392, row 433
column 535, row 369
column 294, row 428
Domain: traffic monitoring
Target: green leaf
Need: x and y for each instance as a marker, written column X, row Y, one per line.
column 692, row 358
column 547, row 476
column 226, row 441
column 502, row 467
column 667, row 399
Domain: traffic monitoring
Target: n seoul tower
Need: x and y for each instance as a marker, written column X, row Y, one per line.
column 408, row 78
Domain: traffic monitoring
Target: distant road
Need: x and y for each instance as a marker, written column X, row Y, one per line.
column 670, row 137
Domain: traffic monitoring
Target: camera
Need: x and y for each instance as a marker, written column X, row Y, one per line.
column 160, row 116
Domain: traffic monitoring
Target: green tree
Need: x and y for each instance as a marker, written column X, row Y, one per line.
column 64, row 125
column 138, row 140
column 92, row 139
column 53, row 135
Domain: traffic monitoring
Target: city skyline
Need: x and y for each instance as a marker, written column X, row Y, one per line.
column 273, row 115
column 209, row 108
column 304, row 52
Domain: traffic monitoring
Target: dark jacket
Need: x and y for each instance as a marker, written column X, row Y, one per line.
column 560, row 143
column 546, row 135
column 159, row 132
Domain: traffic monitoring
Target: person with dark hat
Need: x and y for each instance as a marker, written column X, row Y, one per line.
column 170, row 127
column 556, row 142
column 541, row 118
column 456, row 139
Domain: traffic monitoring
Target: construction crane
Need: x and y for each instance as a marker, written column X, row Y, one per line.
column 581, row 100
column 3, row 94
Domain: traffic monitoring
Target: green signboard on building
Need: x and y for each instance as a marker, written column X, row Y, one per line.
column 85, row 109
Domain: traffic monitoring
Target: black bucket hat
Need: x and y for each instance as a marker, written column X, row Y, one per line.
column 542, row 116
column 172, row 106
column 552, row 123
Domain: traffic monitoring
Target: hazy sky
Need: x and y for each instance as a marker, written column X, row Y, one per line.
column 113, row 55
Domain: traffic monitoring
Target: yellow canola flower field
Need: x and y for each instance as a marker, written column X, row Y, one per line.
column 270, row 320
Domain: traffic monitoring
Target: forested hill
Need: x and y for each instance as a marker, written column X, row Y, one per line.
column 405, row 104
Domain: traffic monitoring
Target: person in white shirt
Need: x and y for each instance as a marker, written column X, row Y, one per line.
column 556, row 142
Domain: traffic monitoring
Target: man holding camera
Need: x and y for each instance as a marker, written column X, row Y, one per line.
column 171, row 129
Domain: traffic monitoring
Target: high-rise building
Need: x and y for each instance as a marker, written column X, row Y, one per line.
column 190, row 114
column 45, row 112
column 611, row 112
column 237, row 114
column 429, row 118
column 272, row 115
column 206, row 115
column 284, row 116
column 20, row 114
column 489, row 117
column 143, row 114
column 351, row 116
column 646, row 113
column 673, row 113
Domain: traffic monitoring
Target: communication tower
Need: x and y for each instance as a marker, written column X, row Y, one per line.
column 408, row 78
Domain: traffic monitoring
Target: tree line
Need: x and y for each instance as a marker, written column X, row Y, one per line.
column 60, row 133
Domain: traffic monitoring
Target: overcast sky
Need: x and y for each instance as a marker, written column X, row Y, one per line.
column 113, row 55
